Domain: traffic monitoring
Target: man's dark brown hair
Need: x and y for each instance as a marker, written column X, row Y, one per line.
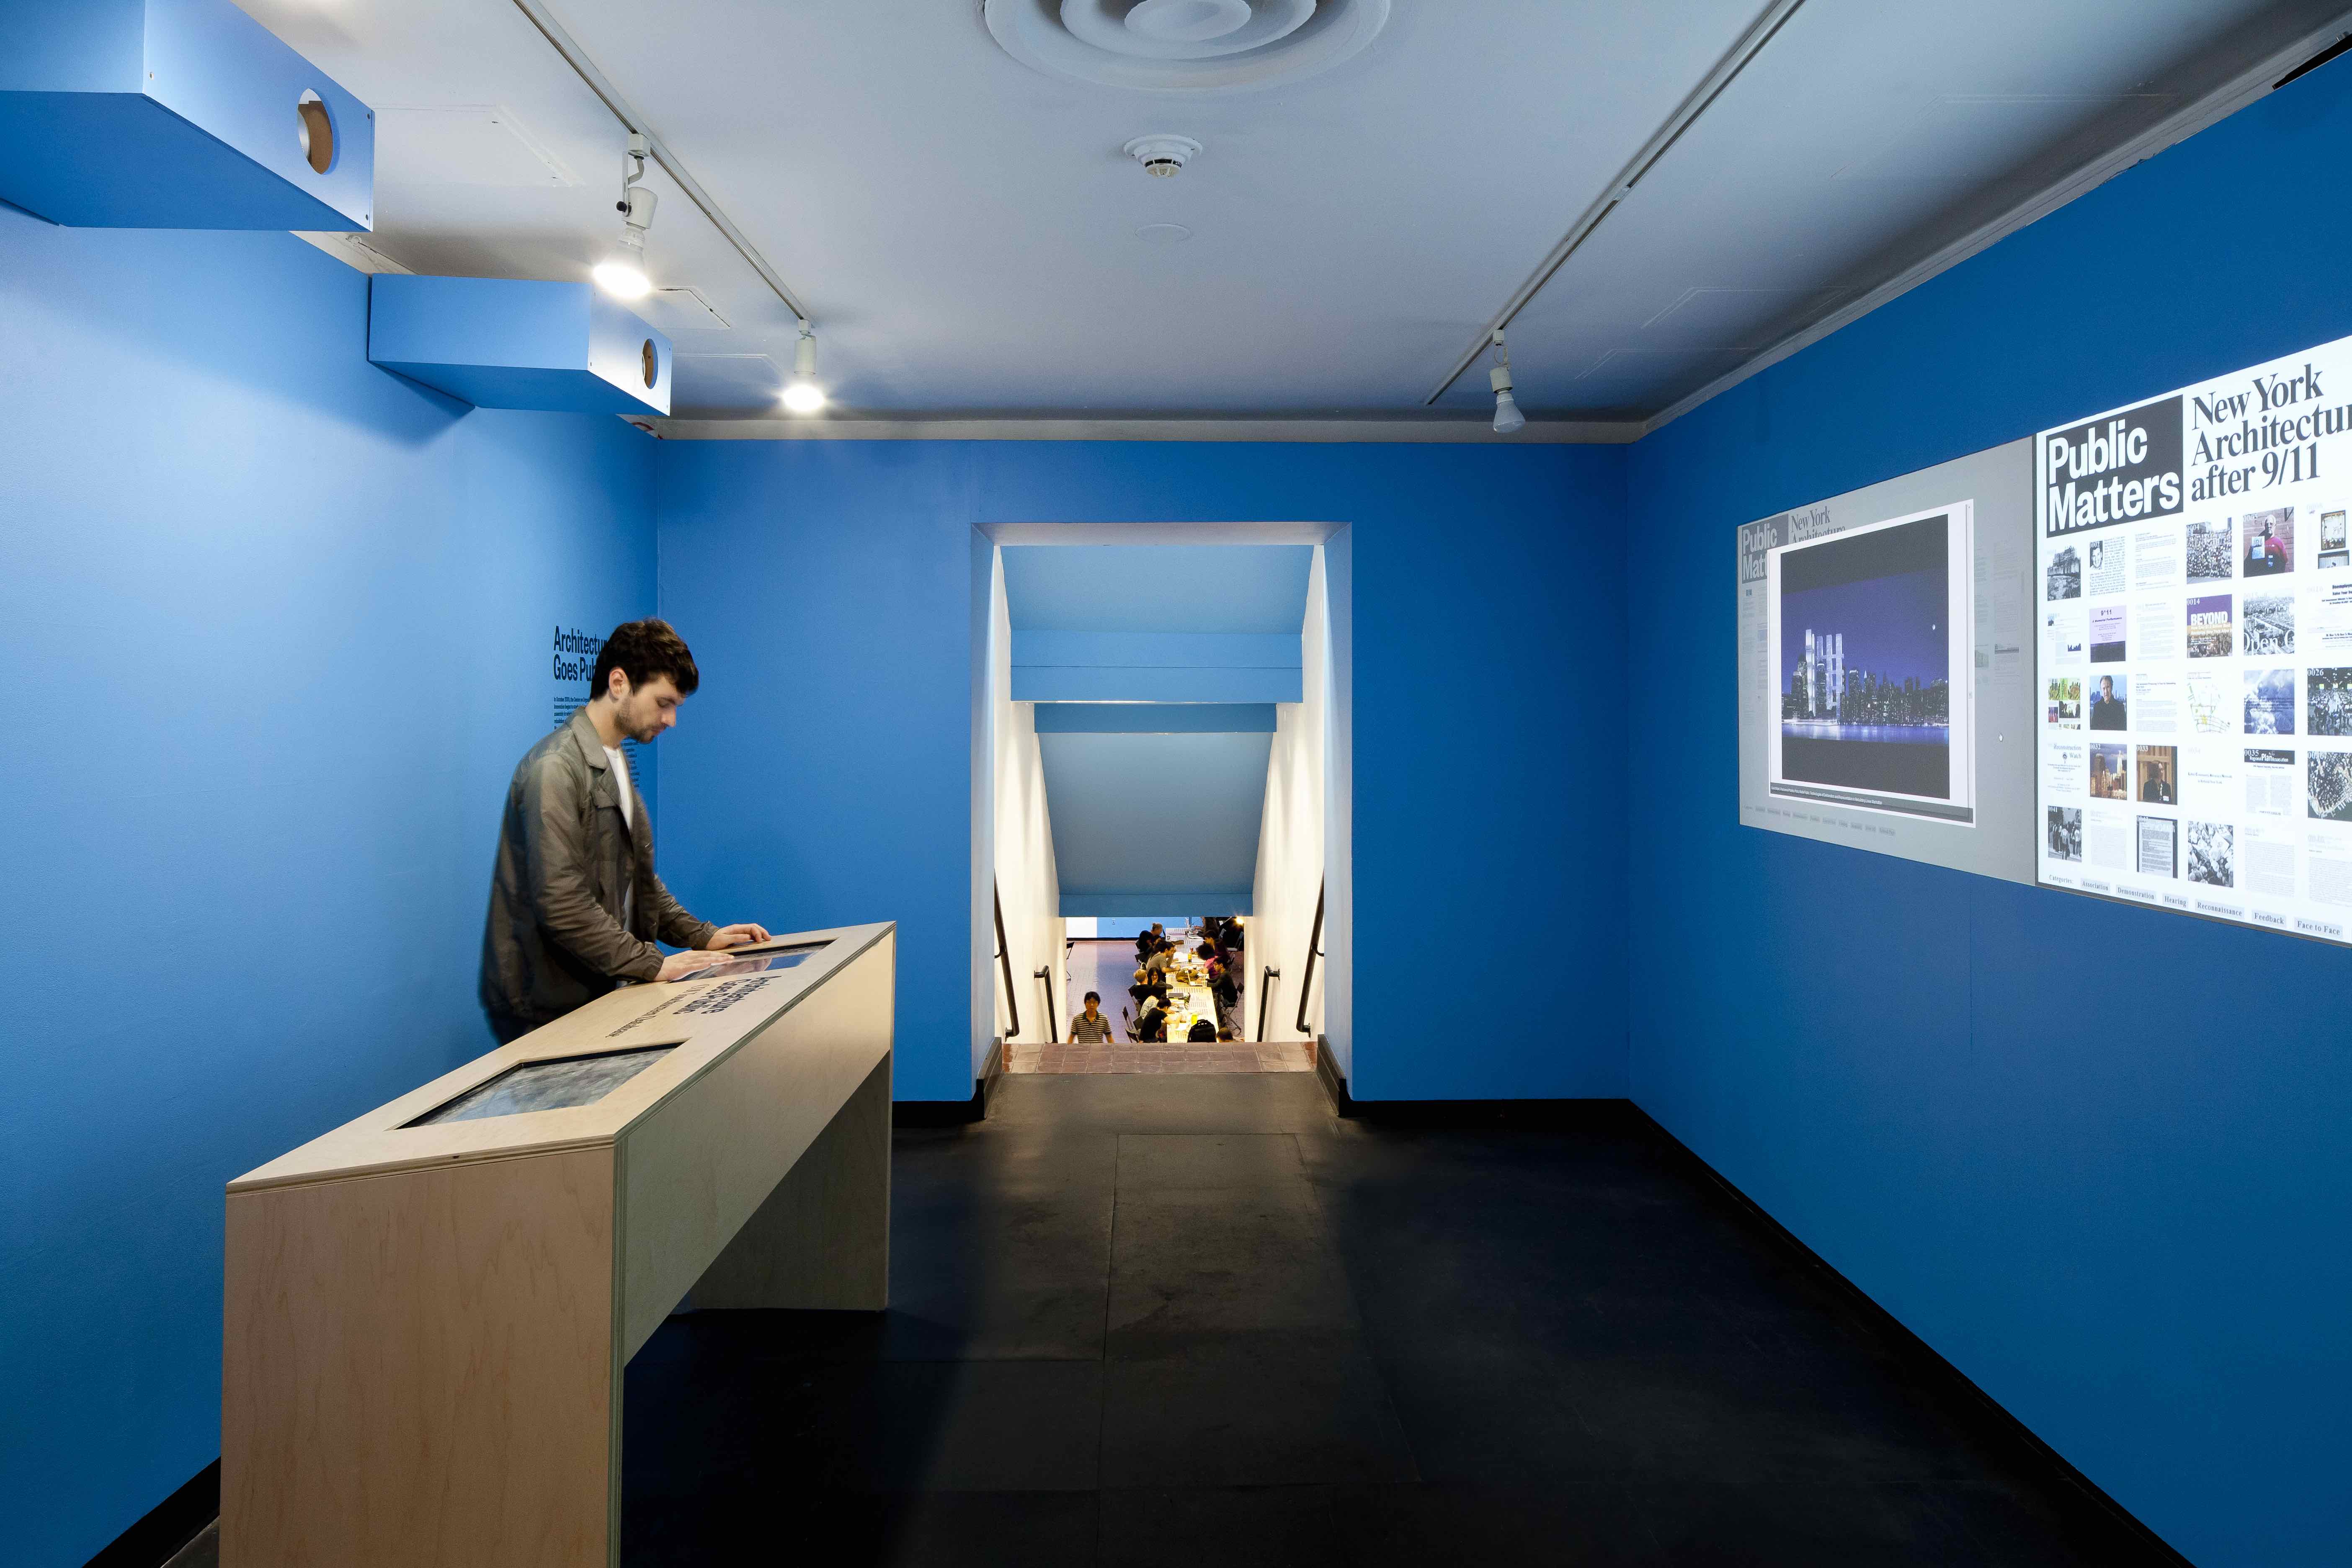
column 643, row 650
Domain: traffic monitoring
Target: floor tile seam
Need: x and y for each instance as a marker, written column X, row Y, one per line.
column 1102, row 1387
column 973, row 1361
column 1356, row 1309
column 1093, row 1490
column 1149, row 1349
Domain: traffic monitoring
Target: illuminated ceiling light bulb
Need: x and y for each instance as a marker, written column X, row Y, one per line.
column 622, row 274
column 801, row 394
column 1507, row 417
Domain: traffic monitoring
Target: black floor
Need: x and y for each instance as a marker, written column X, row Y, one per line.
column 1199, row 1320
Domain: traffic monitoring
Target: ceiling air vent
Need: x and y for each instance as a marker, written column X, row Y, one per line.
column 1184, row 45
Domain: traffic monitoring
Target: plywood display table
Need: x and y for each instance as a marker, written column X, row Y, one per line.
column 428, row 1309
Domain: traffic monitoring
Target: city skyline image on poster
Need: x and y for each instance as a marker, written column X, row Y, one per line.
column 1869, row 632
column 2217, row 785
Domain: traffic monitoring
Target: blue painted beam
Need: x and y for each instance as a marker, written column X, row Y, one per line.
column 173, row 114
column 1095, row 683
column 497, row 342
column 1221, row 902
column 1155, row 718
column 1160, row 651
column 1157, row 588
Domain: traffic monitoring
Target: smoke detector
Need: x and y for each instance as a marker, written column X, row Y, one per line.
column 1162, row 156
column 1183, row 46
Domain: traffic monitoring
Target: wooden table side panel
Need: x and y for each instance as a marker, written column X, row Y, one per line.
column 695, row 1169
column 419, row 1369
column 821, row 1242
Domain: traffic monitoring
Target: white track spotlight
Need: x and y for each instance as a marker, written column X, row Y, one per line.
column 801, row 394
column 1507, row 417
column 622, row 274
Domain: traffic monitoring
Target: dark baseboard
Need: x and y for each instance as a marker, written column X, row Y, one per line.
column 170, row 1525
column 1587, row 1115
column 1334, row 1081
column 991, row 1075
column 2094, row 1510
column 939, row 1112
column 955, row 1112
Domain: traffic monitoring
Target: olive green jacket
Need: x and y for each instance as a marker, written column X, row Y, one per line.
column 554, row 940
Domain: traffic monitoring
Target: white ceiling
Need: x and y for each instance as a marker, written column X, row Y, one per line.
column 962, row 228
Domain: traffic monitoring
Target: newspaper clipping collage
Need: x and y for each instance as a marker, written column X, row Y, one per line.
column 2194, row 671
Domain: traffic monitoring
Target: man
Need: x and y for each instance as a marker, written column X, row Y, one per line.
column 575, row 907
column 1090, row 1027
column 1224, row 984
column 2157, row 790
column 2107, row 709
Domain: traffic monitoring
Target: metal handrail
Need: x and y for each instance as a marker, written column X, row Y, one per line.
column 1314, row 952
column 1053, row 1014
column 1005, row 957
column 1265, row 996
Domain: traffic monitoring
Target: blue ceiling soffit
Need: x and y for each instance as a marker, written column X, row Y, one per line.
column 1148, row 817
column 1155, row 719
column 1156, row 666
column 1065, row 683
column 1161, row 650
column 1223, row 588
column 1152, row 907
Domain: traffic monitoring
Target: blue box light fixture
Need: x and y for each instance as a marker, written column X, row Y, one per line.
column 498, row 343
column 175, row 114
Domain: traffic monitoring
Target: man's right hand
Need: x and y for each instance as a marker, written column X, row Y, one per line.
column 679, row 965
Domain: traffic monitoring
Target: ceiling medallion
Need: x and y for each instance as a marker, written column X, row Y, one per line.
column 1183, row 46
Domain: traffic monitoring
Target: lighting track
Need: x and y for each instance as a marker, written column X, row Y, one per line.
column 1751, row 42
column 622, row 111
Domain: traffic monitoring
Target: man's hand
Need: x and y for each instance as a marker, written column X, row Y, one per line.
column 679, row 965
column 737, row 935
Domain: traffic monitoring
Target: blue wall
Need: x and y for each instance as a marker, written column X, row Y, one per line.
column 2096, row 1155
column 825, row 586
column 278, row 626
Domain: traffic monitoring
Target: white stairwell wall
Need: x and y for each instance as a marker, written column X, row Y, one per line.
column 1291, row 834
column 1026, row 881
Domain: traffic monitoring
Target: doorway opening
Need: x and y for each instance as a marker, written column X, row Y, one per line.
column 1160, row 772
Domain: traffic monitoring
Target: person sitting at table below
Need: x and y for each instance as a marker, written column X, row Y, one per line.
column 1144, row 987
column 1154, row 1025
column 1090, row 1027
column 575, row 907
column 1224, row 985
column 1155, row 967
column 1203, row 1033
